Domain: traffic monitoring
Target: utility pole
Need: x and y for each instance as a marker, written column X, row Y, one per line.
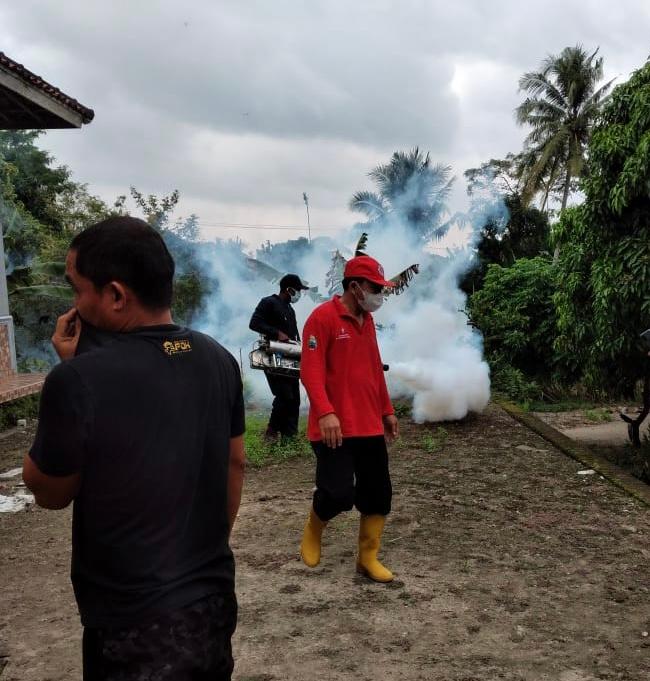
column 305, row 198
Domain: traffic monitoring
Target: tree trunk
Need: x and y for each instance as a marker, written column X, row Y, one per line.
column 549, row 185
column 546, row 193
column 567, row 186
column 565, row 198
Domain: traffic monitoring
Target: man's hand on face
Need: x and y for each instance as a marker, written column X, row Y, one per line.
column 330, row 430
column 282, row 336
column 391, row 427
column 66, row 334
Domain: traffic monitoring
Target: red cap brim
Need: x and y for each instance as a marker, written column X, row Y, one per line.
column 381, row 282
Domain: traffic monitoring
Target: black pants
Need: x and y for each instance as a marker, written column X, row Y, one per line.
column 354, row 474
column 286, row 405
column 189, row 644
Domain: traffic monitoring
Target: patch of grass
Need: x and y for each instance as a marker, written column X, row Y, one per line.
column 403, row 408
column 260, row 453
column 593, row 411
column 433, row 442
column 555, row 407
column 598, row 415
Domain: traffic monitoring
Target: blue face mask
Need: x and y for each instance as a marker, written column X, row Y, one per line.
column 295, row 296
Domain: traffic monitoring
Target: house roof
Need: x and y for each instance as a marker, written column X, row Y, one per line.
column 29, row 102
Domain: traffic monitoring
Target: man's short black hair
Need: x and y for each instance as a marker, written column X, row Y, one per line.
column 130, row 251
column 348, row 280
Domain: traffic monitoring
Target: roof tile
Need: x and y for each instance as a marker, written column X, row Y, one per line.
column 37, row 82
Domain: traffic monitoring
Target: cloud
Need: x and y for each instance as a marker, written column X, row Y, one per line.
column 243, row 106
column 240, row 67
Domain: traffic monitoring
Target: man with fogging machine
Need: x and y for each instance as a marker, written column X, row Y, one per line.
column 350, row 415
column 275, row 319
column 142, row 426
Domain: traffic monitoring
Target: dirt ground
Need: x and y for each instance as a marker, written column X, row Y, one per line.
column 509, row 565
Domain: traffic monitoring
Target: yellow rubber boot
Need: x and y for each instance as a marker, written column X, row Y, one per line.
column 311, row 539
column 370, row 529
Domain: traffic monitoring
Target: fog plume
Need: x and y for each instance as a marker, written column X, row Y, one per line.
column 435, row 356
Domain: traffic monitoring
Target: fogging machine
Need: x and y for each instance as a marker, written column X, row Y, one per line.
column 278, row 357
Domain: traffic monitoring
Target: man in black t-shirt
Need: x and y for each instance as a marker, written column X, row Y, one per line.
column 275, row 319
column 142, row 426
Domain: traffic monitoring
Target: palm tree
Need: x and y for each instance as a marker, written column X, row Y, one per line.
column 562, row 105
column 410, row 188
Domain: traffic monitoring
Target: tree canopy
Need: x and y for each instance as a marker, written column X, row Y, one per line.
column 603, row 300
column 411, row 189
column 564, row 99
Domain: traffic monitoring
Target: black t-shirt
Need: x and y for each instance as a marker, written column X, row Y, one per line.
column 146, row 419
column 92, row 338
column 273, row 314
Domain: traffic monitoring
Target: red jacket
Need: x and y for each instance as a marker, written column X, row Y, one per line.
column 342, row 372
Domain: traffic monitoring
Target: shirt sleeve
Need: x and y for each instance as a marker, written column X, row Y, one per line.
column 387, row 408
column 64, row 424
column 238, row 416
column 259, row 321
column 313, row 373
column 296, row 334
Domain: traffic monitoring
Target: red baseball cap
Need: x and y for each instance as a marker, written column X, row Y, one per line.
column 365, row 267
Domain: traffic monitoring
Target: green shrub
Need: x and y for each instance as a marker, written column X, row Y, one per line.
column 22, row 408
column 603, row 295
column 509, row 382
column 515, row 313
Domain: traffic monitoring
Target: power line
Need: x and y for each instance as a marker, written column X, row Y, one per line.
column 245, row 225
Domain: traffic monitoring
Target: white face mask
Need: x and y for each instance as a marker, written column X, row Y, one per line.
column 371, row 301
column 295, row 296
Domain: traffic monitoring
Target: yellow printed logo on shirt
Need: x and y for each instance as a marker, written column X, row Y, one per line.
column 177, row 346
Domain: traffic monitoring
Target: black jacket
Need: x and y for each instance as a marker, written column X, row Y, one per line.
column 271, row 315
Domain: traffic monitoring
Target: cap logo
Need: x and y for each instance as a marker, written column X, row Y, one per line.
column 380, row 269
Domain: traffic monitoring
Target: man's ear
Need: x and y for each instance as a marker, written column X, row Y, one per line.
column 118, row 295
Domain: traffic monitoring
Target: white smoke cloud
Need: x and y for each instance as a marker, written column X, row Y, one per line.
column 435, row 356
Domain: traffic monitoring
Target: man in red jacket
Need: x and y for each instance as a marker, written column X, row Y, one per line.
column 350, row 415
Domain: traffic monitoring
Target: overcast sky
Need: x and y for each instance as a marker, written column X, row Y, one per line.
column 242, row 105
